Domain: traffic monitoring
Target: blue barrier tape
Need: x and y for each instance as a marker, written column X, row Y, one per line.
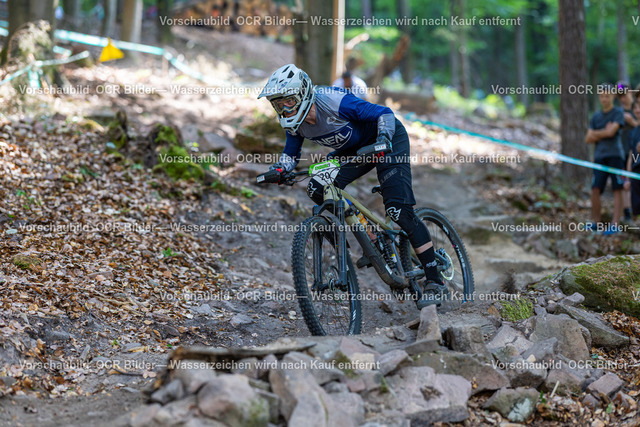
column 540, row 151
column 136, row 47
column 98, row 41
column 33, row 69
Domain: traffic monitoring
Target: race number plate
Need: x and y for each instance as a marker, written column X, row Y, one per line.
column 326, row 172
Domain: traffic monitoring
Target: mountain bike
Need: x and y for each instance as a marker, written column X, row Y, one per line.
column 324, row 276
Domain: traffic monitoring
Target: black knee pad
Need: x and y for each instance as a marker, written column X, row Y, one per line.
column 315, row 191
column 406, row 218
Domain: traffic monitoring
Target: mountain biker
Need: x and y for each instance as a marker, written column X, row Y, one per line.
column 334, row 118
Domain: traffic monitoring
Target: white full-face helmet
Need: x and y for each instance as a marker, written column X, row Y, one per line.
column 291, row 93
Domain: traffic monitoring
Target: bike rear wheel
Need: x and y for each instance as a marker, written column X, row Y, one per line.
column 328, row 307
column 453, row 261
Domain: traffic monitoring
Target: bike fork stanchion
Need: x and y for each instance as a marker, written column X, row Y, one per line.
column 342, row 244
column 317, row 261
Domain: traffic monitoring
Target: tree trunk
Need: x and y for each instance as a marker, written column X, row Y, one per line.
column 465, row 77
column 109, row 20
column 338, row 57
column 164, row 31
column 573, row 71
column 496, row 68
column 623, row 68
column 521, row 58
column 454, row 59
column 19, row 14
column 367, row 12
column 72, row 13
column 132, row 20
column 23, row 11
column 314, row 43
column 403, row 9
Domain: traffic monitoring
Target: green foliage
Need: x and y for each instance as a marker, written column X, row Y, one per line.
column 492, row 56
column 28, row 200
column 168, row 253
column 492, row 105
column 381, row 41
column 384, row 386
column 519, row 309
column 343, row 361
column 180, row 166
column 247, row 192
column 174, row 159
column 86, row 171
column 221, row 187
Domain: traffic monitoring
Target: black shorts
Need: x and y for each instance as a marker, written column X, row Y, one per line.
column 635, row 193
column 394, row 170
column 600, row 177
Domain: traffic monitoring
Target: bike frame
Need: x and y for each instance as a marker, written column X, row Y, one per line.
column 335, row 200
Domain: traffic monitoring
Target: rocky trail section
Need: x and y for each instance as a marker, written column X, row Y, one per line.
column 467, row 366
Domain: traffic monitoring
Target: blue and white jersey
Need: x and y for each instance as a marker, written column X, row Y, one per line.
column 343, row 122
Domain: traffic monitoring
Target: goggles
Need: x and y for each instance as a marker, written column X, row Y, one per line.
column 286, row 105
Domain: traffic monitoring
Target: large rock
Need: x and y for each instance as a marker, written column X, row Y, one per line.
column 609, row 384
column 426, row 397
column 176, row 412
column 230, row 399
column 322, row 372
column 488, row 324
column 508, row 336
column 309, row 411
column 526, row 372
column 291, row 383
column 193, row 374
column 483, row 376
column 602, row 335
column 543, row 351
column 388, row 362
column 573, row 300
column 355, row 350
column 567, row 331
column 429, row 328
column 569, row 378
column 607, row 283
column 211, row 142
column 174, row 390
column 516, row 405
column 351, row 403
column 467, row 339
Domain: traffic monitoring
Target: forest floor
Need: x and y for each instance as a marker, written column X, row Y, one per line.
column 115, row 280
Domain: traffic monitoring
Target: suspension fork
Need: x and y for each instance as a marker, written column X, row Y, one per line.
column 342, row 241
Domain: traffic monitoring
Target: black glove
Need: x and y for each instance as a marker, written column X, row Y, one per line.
column 383, row 138
column 277, row 166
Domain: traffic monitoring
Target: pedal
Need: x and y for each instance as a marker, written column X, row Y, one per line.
column 363, row 262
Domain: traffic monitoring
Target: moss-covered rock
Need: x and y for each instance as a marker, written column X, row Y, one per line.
column 172, row 156
column 26, row 261
column 611, row 283
column 519, row 309
column 117, row 132
column 30, row 42
column 176, row 162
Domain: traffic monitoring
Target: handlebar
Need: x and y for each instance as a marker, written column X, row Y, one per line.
column 364, row 154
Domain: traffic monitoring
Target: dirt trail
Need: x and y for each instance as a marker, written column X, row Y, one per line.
column 255, row 263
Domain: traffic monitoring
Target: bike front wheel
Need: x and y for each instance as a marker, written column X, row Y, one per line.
column 328, row 306
column 451, row 256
